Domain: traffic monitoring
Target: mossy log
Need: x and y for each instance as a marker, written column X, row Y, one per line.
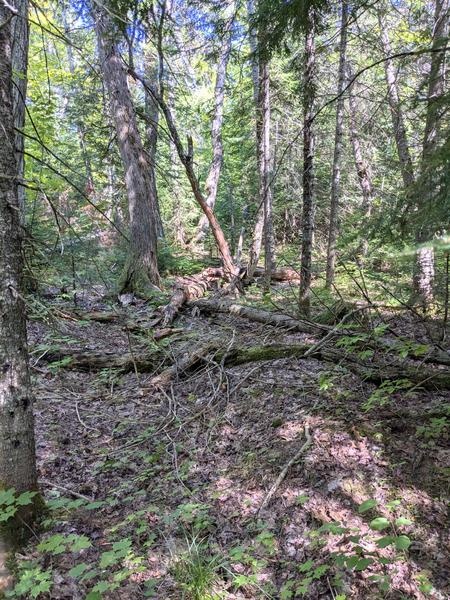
column 377, row 369
column 380, row 344
column 87, row 360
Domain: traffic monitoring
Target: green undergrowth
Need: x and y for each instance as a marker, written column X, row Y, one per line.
column 197, row 566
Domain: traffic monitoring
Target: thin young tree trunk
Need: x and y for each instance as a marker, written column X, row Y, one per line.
column 154, row 72
column 231, row 271
column 17, row 447
column 19, row 50
column 265, row 191
column 398, row 122
column 152, row 112
column 212, row 180
column 175, row 174
column 261, row 96
column 308, row 213
column 79, row 124
column 338, row 142
column 141, row 271
column 363, row 169
column 423, row 278
column 255, row 246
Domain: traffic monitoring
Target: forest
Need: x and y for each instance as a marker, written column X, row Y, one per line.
column 224, row 299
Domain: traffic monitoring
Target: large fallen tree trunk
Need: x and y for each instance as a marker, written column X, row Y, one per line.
column 187, row 361
column 381, row 344
column 196, row 286
column 189, row 288
column 261, row 316
column 279, row 275
column 376, row 369
column 92, row 360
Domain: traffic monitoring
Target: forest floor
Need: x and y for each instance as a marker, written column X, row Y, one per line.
column 170, row 485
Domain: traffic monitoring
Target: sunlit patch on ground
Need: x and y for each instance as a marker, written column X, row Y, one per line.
column 194, row 464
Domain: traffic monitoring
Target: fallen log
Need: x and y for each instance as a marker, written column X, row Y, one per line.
column 88, row 360
column 380, row 344
column 193, row 288
column 189, row 288
column 261, row 316
column 377, row 369
column 116, row 318
column 279, row 275
column 187, row 361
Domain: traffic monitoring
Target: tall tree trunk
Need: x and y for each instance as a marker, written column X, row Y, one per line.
column 212, row 180
column 154, row 72
column 19, row 50
column 338, row 142
column 398, row 122
column 308, row 213
column 141, row 270
column 17, row 448
column 265, row 191
column 261, row 96
column 79, row 124
column 363, row 169
column 177, row 191
column 423, row 278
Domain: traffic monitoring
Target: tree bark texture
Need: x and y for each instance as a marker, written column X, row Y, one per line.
column 423, row 279
column 398, row 122
column 257, row 237
column 333, row 230
column 19, row 52
column 17, row 447
column 154, row 72
column 141, row 271
column 265, row 191
column 308, row 212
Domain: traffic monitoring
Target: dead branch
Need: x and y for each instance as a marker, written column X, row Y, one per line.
column 182, row 364
column 285, row 470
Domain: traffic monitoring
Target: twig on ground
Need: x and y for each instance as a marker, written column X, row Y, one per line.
column 330, row 334
column 64, row 489
column 81, row 420
column 285, row 470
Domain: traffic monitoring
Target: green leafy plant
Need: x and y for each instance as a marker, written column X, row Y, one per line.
column 10, row 502
column 31, row 581
column 326, row 381
column 436, row 428
column 355, row 557
column 383, row 394
column 193, row 516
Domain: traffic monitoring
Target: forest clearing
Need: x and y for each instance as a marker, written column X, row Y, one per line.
column 224, row 301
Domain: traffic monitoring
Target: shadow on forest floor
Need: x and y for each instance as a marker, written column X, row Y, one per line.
column 193, row 463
